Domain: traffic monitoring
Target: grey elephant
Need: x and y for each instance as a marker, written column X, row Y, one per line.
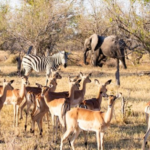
column 103, row 47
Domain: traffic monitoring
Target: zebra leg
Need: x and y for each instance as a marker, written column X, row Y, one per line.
column 48, row 72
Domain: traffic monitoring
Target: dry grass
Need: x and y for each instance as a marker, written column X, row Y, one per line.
column 121, row 135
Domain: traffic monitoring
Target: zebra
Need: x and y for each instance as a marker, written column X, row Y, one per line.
column 41, row 63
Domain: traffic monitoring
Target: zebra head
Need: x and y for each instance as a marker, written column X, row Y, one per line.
column 64, row 58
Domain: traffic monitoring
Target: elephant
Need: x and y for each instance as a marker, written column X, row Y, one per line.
column 102, row 47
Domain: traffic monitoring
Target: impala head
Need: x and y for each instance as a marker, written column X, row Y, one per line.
column 85, row 78
column 8, row 84
column 55, row 74
column 44, row 89
column 74, row 83
column 111, row 100
column 25, row 80
column 102, row 88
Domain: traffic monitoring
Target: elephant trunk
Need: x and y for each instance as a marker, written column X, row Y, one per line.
column 85, row 57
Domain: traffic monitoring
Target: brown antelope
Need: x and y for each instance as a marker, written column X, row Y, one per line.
column 40, row 109
column 37, row 91
column 6, row 86
column 59, row 106
column 78, row 119
column 79, row 94
column 147, row 113
column 15, row 97
column 95, row 103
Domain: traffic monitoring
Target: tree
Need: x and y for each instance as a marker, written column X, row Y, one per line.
column 40, row 23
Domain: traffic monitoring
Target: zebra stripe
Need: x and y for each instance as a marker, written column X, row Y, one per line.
column 31, row 62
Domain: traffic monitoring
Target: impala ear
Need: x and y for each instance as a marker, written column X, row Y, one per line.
column 51, row 85
column 90, row 74
column 119, row 95
column 81, row 74
column 108, row 82
column 79, row 80
column 96, row 81
column 69, row 78
column 38, row 85
column 11, row 81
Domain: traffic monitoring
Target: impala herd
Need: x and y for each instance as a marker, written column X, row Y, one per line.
column 68, row 109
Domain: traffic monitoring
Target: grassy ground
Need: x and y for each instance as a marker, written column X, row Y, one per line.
column 122, row 135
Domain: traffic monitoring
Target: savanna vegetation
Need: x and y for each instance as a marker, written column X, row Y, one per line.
column 50, row 26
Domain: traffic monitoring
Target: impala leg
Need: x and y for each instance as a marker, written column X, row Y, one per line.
column 102, row 140
column 66, row 134
column 85, row 138
column 21, row 109
column 53, row 125
column 148, row 130
column 41, row 127
column 17, row 115
column 147, row 116
column 48, row 119
column 27, row 112
column 56, row 126
column 32, row 126
column 145, row 138
column 14, row 115
column 39, row 122
column 98, row 139
column 76, row 133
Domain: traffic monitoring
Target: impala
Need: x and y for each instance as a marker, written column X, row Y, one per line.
column 15, row 97
column 95, row 103
column 78, row 119
column 147, row 113
column 9, row 88
column 6, row 86
column 40, row 109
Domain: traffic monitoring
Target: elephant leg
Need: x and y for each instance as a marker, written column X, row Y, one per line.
column 93, row 59
column 101, row 60
column 122, row 59
column 117, row 74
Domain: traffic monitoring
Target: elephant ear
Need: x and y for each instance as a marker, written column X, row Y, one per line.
column 94, row 41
